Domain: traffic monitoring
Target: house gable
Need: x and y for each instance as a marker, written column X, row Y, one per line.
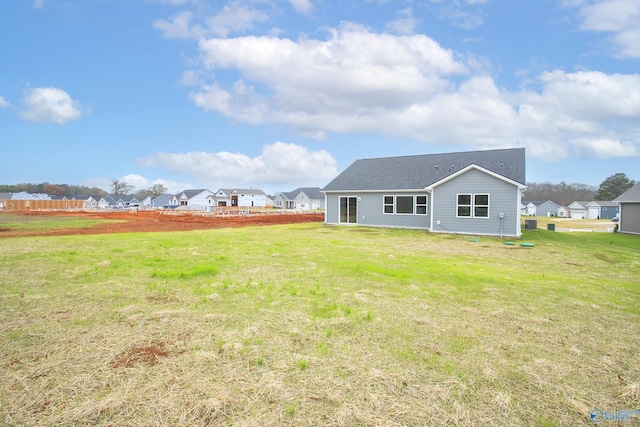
column 393, row 192
column 476, row 202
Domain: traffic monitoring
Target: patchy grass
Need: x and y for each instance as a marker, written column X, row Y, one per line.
column 316, row 325
column 37, row 224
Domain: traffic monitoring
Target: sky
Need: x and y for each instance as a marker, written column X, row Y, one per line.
column 277, row 94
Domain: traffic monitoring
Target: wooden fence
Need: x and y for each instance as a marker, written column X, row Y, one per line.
column 34, row 205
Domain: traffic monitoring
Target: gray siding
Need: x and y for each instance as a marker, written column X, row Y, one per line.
column 503, row 198
column 371, row 210
column 608, row 212
column 547, row 209
column 630, row 218
column 332, row 212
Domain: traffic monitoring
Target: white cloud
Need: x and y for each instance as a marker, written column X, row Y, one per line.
column 353, row 75
column 178, row 27
column 4, row 103
column 38, row 4
column 463, row 16
column 302, row 6
column 280, row 164
column 619, row 18
column 404, row 24
column 605, row 148
column 234, row 17
column 410, row 87
column 52, row 105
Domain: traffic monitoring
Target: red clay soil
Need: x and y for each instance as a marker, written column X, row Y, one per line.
column 155, row 221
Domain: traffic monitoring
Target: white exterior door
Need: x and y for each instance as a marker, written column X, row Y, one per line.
column 593, row 212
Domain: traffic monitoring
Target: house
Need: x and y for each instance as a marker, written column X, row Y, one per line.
column 146, row 202
column 629, row 202
column 89, row 201
column 475, row 192
column 308, row 198
column 122, row 201
column 162, row 201
column 201, row 199
column 600, row 209
column 111, row 201
column 578, row 210
column 241, row 197
column 102, row 203
column 540, row 208
column 563, row 212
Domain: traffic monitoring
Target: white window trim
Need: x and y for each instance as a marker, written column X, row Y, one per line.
column 488, row 205
column 415, row 204
column 473, row 205
column 384, row 204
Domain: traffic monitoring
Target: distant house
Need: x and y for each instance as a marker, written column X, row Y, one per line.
column 308, row 198
column 563, row 212
column 89, row 201
column 578, row 210
column 629, row 202
column 599, row 209
column 146, row 202
column 162, row 201
column 201, row 199
column 102, row 203
column 540, row 208
column 23, row 195
column 476, row 192
column 241, row 197
column 124, row 201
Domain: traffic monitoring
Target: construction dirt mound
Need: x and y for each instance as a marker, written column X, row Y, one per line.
column 158, row 221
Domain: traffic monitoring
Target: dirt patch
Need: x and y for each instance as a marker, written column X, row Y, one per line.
column 141, row 355
column 159, row 221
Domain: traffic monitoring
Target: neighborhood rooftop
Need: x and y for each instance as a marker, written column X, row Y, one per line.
column 421, row 171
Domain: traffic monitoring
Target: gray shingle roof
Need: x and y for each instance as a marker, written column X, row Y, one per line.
column 189, row 194
column 421, row 171
column 631, row 195
column 311, row 192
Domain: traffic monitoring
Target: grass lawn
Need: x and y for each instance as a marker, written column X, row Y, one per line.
column 39, row 224
column 309, row 325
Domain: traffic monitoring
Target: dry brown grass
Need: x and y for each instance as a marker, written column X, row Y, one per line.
column 311, row 325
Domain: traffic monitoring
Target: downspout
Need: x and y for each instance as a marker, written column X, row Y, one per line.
column 430, row 191
column 326, row 208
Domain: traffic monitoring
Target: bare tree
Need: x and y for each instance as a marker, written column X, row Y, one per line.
column 154, row 191
column 120, row 187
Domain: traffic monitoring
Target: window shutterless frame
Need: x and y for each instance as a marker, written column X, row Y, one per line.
column 404, row 205
column 469, row 205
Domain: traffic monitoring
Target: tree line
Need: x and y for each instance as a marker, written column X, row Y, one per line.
column 117, row 187
column 564, row 194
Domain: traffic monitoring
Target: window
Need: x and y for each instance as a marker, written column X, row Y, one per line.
column 388, row 204
column 421, row 205
column 405, row 205
column 464, row 205
column 481, row 206
column 472, row 205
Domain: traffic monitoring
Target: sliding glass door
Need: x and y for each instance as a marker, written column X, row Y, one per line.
column 349, row 210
